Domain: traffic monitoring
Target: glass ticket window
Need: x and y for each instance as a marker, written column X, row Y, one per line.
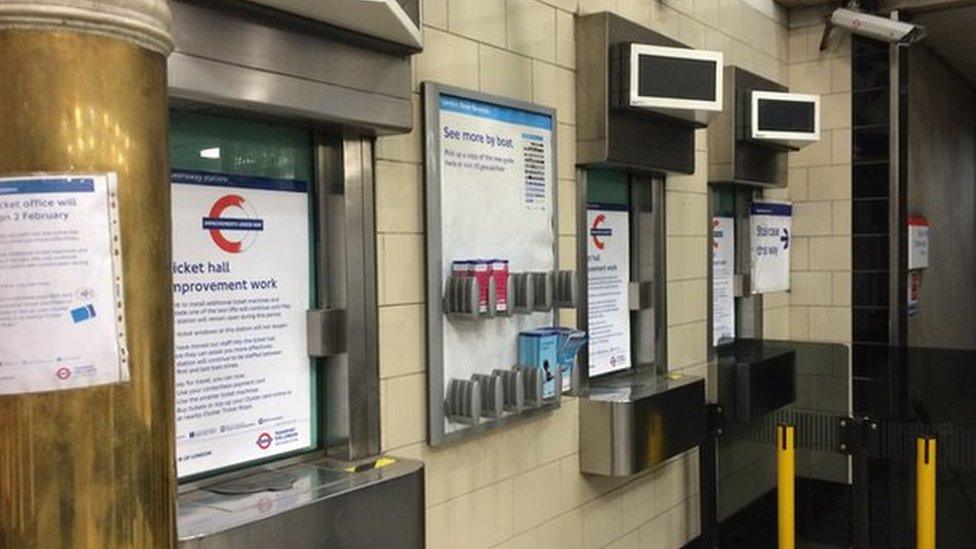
column 244, row 279
column 736, row 310
column 626, row 302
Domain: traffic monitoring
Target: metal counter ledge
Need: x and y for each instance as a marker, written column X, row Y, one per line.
column 325, row 506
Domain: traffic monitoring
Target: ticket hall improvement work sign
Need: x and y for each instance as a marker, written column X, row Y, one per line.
column 61, row 313
column 241, row 289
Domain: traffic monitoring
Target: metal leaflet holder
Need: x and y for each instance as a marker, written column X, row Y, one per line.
column 641, row 96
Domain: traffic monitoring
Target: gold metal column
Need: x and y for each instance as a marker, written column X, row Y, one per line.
column 83, row 89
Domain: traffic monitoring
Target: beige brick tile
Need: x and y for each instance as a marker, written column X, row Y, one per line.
column 435, row 13
column 567, row 252
column 799, row 322
column 447, row 59
column 841, row 212
column 555, row 87
column 800, row 46
column 536, row 496
column 482, row 20
column 830, row 324
column 628, row 541
column 570, row 6
column 674, row 480
column 799, row 255
column 442, row 526
column 798, row 184
column 563, row 532
column 830, row 183
column 566, row 189
column 566, row 150
column 506, row 74
column 777, row 194
column 485, row 516
column 525, row 540
column 402, row 340
column 687, row 301
column 687, row 257
column 587, row 7
column 401, row 268
column 701, row 144
column 730, row 18
column 558, row 432
column 576, row 488
column 815, row 154
column 812, row 219
column 811, row 77
column 694, row 183
column 565, row 39
column 775, row 300
column 399, row 197
column 531, row 29
column 635, row 10
column 404, row 147
column 707, row 12
column 404, row 412
column 830, row 253
column 637, row 502
column 776, row 323
column 842, row 289
column 841, row 146
column 602, row 520
column 840, row 70
column 687, row 345
column 687, row 214
column 513, row 450
column 454, row 470
column 810, row 288
column 835, row 110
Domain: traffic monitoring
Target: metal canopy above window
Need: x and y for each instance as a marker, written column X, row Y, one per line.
column 395, row 21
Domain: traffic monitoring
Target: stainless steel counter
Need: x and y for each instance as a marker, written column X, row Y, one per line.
column 324, row 507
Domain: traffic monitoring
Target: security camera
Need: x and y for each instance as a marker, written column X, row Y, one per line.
column 873, row 26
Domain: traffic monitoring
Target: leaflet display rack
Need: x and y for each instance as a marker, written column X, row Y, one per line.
column 490, row 175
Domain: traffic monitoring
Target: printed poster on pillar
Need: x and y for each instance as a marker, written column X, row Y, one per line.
column 241, row 290
column 62, row 314
column 771, row 224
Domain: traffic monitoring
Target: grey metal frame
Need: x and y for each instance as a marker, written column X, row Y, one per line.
column 273, row 66
column 436, row 434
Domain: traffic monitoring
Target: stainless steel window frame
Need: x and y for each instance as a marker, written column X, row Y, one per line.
column 655, row 221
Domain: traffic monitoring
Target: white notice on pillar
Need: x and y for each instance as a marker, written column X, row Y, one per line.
column 61, row 309
column 608, row 267
column 241, row 288
column 723, row 279
column 771, row 238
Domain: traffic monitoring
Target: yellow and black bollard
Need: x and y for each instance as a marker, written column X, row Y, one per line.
column 785, row 474
column 925, row 492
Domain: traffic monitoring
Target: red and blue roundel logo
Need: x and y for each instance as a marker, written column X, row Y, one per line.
column 63, row 373
column 597, row 231
column 264, row 441
column 233, row 224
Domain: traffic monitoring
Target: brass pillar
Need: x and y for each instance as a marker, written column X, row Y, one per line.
column 83, row 89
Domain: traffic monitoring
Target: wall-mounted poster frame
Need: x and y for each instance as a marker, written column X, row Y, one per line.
column 517, row 224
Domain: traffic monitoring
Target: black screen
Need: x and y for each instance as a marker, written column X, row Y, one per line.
column 786, row 116
column 676, row 78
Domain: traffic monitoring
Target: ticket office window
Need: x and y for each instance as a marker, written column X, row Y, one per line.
column 736, row 313
column 244, row 277
column 619, row 202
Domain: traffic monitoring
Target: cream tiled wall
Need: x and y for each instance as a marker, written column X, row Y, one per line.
column 820, row 188
column 521, row 487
